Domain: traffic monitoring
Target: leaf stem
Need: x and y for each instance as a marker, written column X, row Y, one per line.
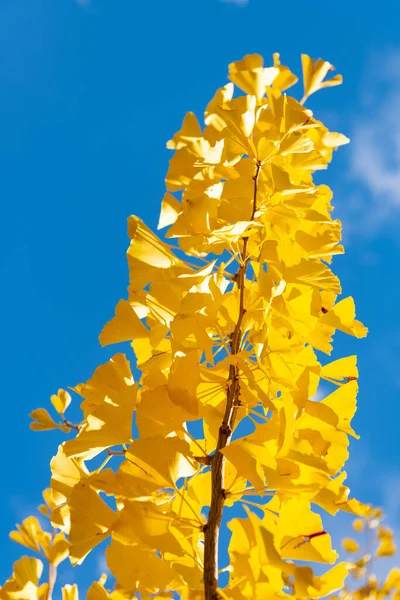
column 182, row 496
column 204, row 454
column 71, row 425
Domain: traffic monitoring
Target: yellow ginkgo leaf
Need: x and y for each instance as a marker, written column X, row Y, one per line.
column 91, row 521
column 392, row 579
column 147, row 248
column 61, row 401
column 285, row 78
column 239, row 113
column 109, row 405
column 125, row 326
column 309, row 586
column 138, row 569
column 31, row 535
column 42, row 421
column 170, row 209
column 343, row 402
column 157, row 414
column 109, row 425
column 144, row 522
column 111, row 380
column 97, row 591
column 343, row 368
column 342, row 316
column 386, row 547
column 301, row 534
column 70, row 592
column 183, row 380
column 350, row 545
column 249, row 459
column 183, row 167
column 333, row 140
column 250, row 75
column 58, row 549
column 190, row 136
column 66, row 473
column 212, row 117
column 24, row 582
column 358, row 525
column 314, row 73
column 161, row 461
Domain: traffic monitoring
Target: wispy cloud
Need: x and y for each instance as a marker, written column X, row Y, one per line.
column 237, row 2
column 375, row 148
column 390, row 486
column 322, row 392
column 102, row 566
column 23, row 508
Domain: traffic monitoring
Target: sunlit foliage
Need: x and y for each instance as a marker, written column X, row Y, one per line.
column 374, row 542
column 230, row 318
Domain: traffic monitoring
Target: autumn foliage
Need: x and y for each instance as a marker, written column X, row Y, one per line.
column 229, row 318
column 375, row 542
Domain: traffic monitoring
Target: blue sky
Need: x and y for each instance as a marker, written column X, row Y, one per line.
column 90, row 93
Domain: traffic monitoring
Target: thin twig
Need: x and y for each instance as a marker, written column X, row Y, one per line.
column 115, row 452
column 70, row 425
column 198, row 445
column 177, row 490
column 204, row 460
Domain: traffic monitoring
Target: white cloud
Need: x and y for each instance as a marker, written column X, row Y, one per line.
column 237, row 2
column 322, row 392
column 390, row 487
column 102, row 566
column 375, row 148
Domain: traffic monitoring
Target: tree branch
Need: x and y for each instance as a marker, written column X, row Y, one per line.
column 70, row 425
column 211, row 530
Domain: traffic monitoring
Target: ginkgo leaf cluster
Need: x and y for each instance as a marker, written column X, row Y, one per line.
column 229, row 318
column 375, row 541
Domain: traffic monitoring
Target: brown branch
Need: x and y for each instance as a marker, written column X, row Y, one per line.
column 115, row 452
column 211, row 530
column 70, row 425
column 204, row 460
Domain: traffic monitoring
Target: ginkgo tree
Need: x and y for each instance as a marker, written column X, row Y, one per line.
column 228, row 317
